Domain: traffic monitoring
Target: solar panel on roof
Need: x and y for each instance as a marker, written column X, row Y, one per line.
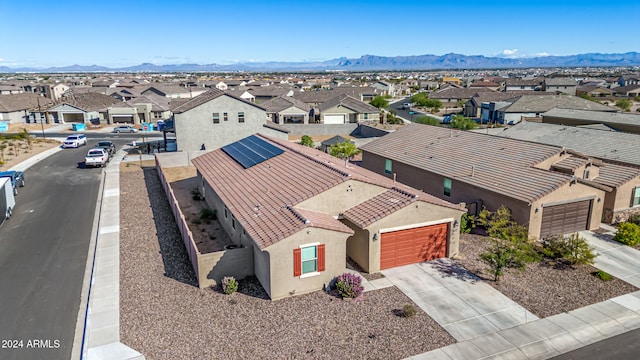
column 251, row 150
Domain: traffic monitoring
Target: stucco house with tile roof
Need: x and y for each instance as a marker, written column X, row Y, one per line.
column 217, row 118
column 575, row 117
column 18, row 108
column 618, row 170
column 303, row 212
column 346, row 109
column 287, row 110
column 535, row 105
column 490, row 171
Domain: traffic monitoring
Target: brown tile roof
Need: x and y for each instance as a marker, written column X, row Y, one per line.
column 379, row 207
column 261, row 197
column 485, row 161
column 24, row 101
column 206, row 97
column 282, row 103
column 570, row 164
column 90, row 101
column 615, row 175
column 453, row 92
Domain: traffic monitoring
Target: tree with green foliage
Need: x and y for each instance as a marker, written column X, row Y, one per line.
column 462, row 123
column 624, row 104
column 380, row 102
column 571, row 250
column 511, row 247
column 421, row 99
column 426, row 120
column 306, row 140
column 344, row 150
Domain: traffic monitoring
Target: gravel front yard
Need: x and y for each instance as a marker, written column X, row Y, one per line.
column 165, row 316
column 541, row 289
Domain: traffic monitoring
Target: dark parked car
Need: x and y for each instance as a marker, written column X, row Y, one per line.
column 16, row 177
column 107, row 145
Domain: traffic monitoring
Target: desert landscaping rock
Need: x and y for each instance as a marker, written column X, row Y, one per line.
column 164, row 315
column 541, row 289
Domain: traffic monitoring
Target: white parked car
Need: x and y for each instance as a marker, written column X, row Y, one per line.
column 97, row 157
column 125, row 129
column 74, row 141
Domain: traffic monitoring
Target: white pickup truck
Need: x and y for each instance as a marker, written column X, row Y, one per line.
column 96, row 158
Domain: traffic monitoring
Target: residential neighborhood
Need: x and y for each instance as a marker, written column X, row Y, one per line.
column 280, row 187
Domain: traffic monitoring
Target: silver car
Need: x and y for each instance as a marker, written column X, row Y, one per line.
column 125, row 129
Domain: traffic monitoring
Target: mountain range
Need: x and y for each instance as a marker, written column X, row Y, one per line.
column 368, row 63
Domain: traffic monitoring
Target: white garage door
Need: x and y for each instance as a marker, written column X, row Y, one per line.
column 334, row 119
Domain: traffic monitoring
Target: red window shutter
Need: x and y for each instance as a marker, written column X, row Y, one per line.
column 321, row 257
column 297, row 262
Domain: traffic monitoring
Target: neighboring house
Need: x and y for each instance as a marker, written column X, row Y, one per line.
column 619, row 168
column 82, row 108
column 595, row 91
column 560, row 86
column 488, row 171
column 215, row 119
column 149, row 108
column 346, row 109
column 626, row 80
column 301, row 213
column 174, row 91
column 221, row 85
column 287, row 110
column 385, row 88
column 486, row 85
column 619, row 121
column 54, row 92
column 478, row 105
column 10, row 89
column 452, row 80
column 532, row 106
column 627, row 91
column 265, row 93
column 513, row 84
column 21, row 108
column 452, row 94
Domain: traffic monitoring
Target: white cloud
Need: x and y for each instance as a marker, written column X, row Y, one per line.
column 507, row 52
column 542, row 54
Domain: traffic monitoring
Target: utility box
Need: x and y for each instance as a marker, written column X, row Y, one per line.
column 78, row 127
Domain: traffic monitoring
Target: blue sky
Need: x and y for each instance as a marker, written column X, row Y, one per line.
column 111, row 33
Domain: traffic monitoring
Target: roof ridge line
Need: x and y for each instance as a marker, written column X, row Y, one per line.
column 404, row 192
column 298, row 215
column 328, row 166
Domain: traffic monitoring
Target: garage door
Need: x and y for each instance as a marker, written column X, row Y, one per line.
column 334, row 119
column 565, row 218
column 414, row 245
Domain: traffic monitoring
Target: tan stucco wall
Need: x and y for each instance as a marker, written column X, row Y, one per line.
column 213, row 267
column 568, row 193
column 262, row 267
column 341, row 197
column 358, row 245
column 195, row 127
column 624, row 193
column 284, row 284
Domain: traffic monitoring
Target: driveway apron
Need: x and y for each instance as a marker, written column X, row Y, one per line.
column 459, row 301
column 618, row 260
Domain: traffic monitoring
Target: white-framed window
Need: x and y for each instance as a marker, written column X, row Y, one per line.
column 216, row 118
column 309, row 258
column 635, row 201
column 388, row 166
column 241, row 117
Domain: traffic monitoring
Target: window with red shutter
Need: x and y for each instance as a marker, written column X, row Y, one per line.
column 321, row 257
column 297, row 262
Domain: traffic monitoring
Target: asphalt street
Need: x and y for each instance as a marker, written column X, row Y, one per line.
column 43, row 253
column 621, row 347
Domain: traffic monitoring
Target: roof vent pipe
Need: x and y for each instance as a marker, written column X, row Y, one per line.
column 473, row 170
column 394, row 177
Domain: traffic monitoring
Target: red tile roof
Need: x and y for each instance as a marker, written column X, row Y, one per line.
column 263, row 197
column 379, row 207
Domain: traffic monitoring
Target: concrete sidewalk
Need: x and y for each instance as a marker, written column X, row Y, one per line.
column 462, row 304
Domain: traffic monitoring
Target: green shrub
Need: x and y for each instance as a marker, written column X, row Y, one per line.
column 602, row 275
column 349, row 286
column 207, row 214
column 466, row 223
column 571, row 250
column 628, row 234
column 229, row 285
column 306, row 140
column 408, row 311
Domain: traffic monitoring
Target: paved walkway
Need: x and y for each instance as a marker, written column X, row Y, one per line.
column 462, row 304
column 617, row 259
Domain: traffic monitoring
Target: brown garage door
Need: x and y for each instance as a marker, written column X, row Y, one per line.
column 565, row 218
column 415, row 245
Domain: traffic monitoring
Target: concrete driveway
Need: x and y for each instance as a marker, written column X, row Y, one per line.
column 462, row 304
column 618, row 260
